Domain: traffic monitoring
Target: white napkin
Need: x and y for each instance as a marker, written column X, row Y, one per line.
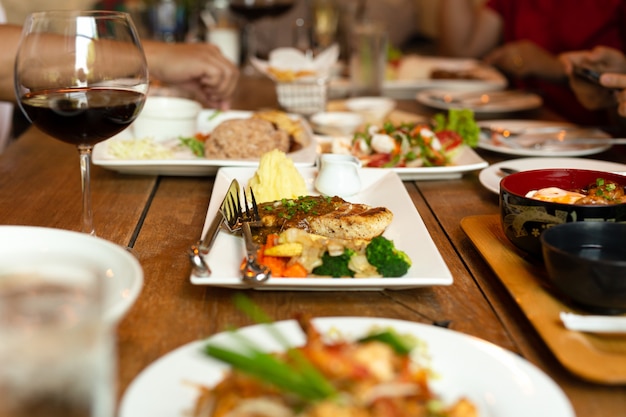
column 594, row 324
column 294, row 60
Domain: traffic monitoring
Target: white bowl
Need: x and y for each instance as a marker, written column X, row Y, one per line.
column 166, row 118
column 373, row 109
column 24, row 245
column 336, row 122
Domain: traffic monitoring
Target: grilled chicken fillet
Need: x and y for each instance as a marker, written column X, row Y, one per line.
column 326, row 216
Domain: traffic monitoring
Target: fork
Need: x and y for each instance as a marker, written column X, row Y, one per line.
column 252, row 272
column 231, row 210
column 200, row 249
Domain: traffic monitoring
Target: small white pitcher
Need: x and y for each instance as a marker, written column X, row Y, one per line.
column 338, row 175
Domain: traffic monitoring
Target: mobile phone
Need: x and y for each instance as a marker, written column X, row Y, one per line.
column 588, row 74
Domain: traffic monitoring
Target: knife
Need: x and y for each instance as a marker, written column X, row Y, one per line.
column 587, row 141
column 198, row 251
column 538, row 130
column 539, row 142
column 478, row 98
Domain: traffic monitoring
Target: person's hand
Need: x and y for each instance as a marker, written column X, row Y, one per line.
column 611, row 63
column 200, row 69
column 522, row 59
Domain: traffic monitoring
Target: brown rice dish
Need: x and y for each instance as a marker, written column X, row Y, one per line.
column 245, row 139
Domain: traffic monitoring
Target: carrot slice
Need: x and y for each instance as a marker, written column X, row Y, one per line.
column 295, row 270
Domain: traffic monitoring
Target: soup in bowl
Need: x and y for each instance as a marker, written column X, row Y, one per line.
column 533, row 201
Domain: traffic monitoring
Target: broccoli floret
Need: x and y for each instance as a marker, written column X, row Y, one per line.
column 389, row 261
column 335, row 266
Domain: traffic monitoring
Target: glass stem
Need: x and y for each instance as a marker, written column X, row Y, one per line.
column 84, row 152
column 251, row 49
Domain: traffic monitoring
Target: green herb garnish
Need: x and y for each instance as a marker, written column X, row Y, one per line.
column 196, row 146
column 214, row 115
column 401, row 345
column 294, row 374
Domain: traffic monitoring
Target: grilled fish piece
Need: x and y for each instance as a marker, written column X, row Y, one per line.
column 326, row 216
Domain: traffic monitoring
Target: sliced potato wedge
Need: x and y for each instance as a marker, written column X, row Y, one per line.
column 285, row 249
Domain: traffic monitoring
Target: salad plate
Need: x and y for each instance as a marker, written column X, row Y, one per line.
column 379, row 187
column 490, row 177
column 534, row 138
column 182, row 162
column 480, row 101
column 508, row 384
column 466, row 161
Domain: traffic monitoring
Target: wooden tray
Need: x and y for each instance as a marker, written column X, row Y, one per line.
column 599, row 358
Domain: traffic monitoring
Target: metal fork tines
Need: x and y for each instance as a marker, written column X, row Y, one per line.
column 231, row 210
column 252, row 272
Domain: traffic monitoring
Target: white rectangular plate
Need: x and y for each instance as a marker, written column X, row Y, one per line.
column 466, row 161
column 191, row 166
column 379, row 188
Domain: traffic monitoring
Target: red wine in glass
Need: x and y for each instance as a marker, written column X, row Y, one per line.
column 81, row 77
column 82, row 116
column 256, row 10
column 251, row 11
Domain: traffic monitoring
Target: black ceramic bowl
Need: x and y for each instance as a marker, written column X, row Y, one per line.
column 524, row 219
column 586, row 261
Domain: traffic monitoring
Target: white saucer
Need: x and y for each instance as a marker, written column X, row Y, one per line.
column 490, row 177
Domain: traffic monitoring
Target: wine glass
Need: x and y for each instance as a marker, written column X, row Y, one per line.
column 81, row 77
column 251, row 11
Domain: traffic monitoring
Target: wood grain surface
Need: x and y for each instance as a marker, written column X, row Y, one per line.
column 161, row 216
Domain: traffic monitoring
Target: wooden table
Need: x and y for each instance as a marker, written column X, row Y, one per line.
column 160, row 216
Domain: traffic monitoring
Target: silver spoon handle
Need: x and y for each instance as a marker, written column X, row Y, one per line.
column 198, row 251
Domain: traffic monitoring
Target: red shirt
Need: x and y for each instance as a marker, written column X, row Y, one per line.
column 561, row 26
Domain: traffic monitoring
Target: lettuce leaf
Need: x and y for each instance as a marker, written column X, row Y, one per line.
column 461, row 121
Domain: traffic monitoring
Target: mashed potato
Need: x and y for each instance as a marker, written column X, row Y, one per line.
column 276, row 178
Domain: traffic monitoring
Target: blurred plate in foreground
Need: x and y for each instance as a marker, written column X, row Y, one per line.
column 508, row 385
column 121, row 270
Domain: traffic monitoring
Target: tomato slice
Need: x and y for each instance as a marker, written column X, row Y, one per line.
column 377, row 160
column 449, row 139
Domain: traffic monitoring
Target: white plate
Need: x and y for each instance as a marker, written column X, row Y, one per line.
column 379, row 188
column 509, row 102
column 490, row 177
column 499, row 382
column 188, row 165
column 486, row 142
column 124, row 276
column 466, row 161
column 415, row 72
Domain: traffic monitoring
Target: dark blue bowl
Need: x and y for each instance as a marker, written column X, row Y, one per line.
column 586, row 262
